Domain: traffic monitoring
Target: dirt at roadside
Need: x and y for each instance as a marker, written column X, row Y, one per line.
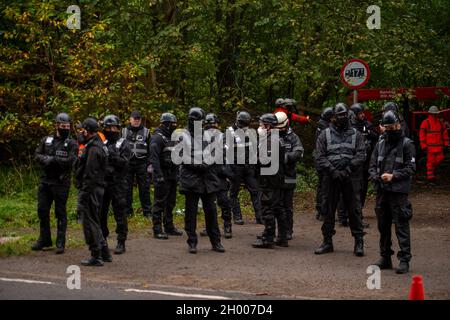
column 287, row 272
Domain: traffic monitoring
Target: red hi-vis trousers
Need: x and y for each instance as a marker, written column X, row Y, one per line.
column 434, row 159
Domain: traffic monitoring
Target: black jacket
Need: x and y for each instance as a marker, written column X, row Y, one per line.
column 197, row 178
column 343, row 153
column 92, row 165
column 241, row 145
column 56, row 157
column 322, row 125
column 139, row 140
column 223, row 170
column 293, row 149
column 160, row 154
column 119, row 155
column 396, row 158
column 368, row 131
column 275, row 180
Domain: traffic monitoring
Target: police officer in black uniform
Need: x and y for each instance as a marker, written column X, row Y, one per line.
column 138, row 138
column 293, row 152
column 392, row 167
column 224, row 172
column 116, row 188
column 164, row 177
column 271, row 186
column 340, row 154
column 91, row 186
column 199, row 181
column 324, row 122
column 360, row 123
column 243, row 172
column 392, row 106
column 56, row 154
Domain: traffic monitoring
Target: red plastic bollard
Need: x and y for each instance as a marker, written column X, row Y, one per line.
column 417, row 291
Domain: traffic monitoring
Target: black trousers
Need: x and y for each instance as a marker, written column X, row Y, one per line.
column 224, row 204
column 364, row 183
column 190, row 218
column 343, row 207
column 247, row 175
column 164, row 202
column 320, row 195
column 89, row 207
column 114, row 195
column 333, row 189
column 287, row 202
column 139, row 172
column 394, row 208
column 47, row 194
column 272, row 210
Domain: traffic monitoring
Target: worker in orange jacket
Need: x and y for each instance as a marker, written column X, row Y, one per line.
column 288, row 106
column 433, row 138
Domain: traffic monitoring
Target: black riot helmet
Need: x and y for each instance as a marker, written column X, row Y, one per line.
column 269, row 119
column 168, row 117
column 90, row 124
column 327, row 114
column 390, row 118
column 63, row 118
column 211, row 118
column 110, row 121
column 280, row 102
column 243, row 119
column 357, row 108
column 340, row 109
column 390, row 106
column 196, row 114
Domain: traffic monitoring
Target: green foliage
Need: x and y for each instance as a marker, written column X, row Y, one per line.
column 163, row 55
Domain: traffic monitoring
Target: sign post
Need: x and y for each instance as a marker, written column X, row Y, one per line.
column 355, row 74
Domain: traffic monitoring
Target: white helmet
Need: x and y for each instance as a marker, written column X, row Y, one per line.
column 283, row 120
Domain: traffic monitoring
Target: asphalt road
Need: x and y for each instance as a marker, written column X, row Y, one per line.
column 55, row 289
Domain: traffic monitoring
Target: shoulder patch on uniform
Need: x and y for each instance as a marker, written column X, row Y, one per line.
column 49, row 140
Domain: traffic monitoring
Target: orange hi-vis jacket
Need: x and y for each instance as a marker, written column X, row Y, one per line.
column 82, row 146
column 293, row 116
column 433, row 135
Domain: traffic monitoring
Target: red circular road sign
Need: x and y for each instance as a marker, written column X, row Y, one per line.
column 355, row 73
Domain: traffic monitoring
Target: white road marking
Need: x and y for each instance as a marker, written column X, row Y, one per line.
column 178, row 294
column 25, row 281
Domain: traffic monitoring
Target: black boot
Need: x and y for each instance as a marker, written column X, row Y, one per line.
column 106, row 254
column 281, row 243
column 263, row 244
column 94, row 261
column 359, row 247
column 325, row 247
column 172, row 231
column 227, row 231
column 158, row 234
column 60, row 242
column 203, row 233
column 192, row 248
column 238, row 221
column 403, row 267
column 384, row 263
column 289, row 236
column 120, row 248
column 41, row 244
column 218, row 247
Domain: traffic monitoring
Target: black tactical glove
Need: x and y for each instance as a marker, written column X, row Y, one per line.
column 336, row 175
column 48, row 160
column 159, row 179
